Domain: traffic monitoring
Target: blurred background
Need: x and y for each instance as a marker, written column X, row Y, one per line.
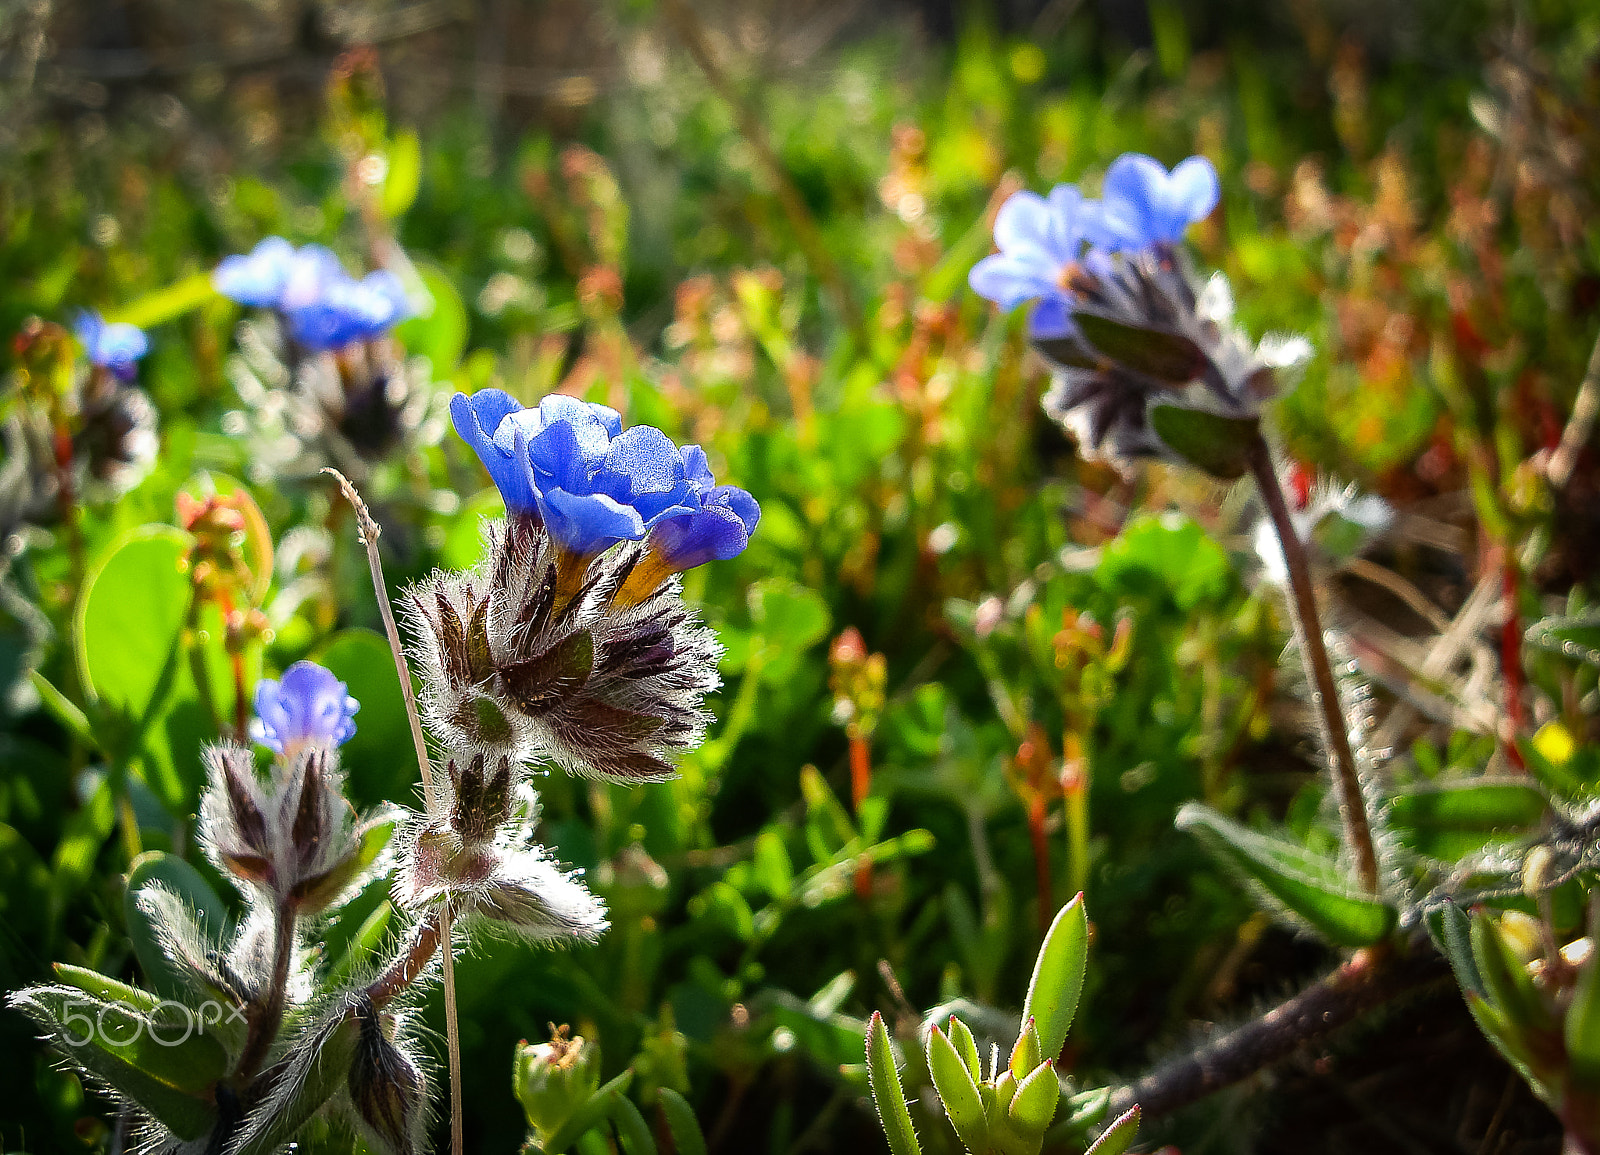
column 750, row 223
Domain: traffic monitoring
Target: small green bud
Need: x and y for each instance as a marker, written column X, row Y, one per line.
column 552, row 1080
column 1035, row 1102
column 967, row 1047
column 958, row 1091
column 1028, row 1053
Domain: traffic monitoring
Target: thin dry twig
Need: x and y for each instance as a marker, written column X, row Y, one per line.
column 369, row 536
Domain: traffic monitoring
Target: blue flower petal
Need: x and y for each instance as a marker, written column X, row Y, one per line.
column 477, row 419
column 308, row 705
column 257, row 277
column 115, row 346
column 587, row 524
column 644, row 469
column 1051, row 317
column 720, row 529
column 1145, row 205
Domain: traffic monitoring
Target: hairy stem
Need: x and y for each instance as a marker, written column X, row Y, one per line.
column 1325, row 694
column 1371, row 978
column 403, row 971
column 268, row 1017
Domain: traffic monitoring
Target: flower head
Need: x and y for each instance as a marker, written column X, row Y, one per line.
column 326, row 308
column 344, row 310
column 308, row 705
column 1142, row 204
column 116, row 346
column 1040, row 241
column 570, row 465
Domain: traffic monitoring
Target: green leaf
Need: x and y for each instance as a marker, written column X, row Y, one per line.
column 1218, row 445
column 1166, row 356
column 177, row 877
column 681, row 1122
column 165, row 1075
column 728, row 908
column 404, row 178
column 1451, row 931
column 1577, row 637
column 957, row 1091
column 633, row 1133
column 167, row 303
column 791, row 618
column 106, row 988
column 1509, row 988
column 64, row 711
column 591, row 1114
column 1290, row 880
column 1058, row 977
column 1450, row 820
column 1582, row 1026
column 966, row 1046
column 378, row 759
column 773, row 869
column 887, row 1094
column 128, row 630
column 440, row 334
column 1034, row 1104
column 363, row 945
column 1118, row 1137
column 1171, row 553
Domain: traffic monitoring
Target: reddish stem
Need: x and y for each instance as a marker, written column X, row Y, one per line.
column 860, row 784
column 241, row 700
column 1511, row 658
column 1041, row 859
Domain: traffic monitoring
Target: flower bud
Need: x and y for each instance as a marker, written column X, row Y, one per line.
column 386, row 1086
column 553, row 1080
column 1028, row 1052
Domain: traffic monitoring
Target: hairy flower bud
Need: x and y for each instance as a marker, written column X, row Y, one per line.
column 294, row 837
column 387, row 1088
column 513, row 668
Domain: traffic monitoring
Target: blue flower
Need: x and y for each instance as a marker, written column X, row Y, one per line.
column 115, row 346
column 1142, row 204
column 570, row 464
column 326, row 308
column 257, row 277
column 308, row 705
column 1040, row 240
column 341, row 310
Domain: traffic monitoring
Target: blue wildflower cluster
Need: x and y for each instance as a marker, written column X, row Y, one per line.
column 115, row 346
column 1132, row 338
column 325, row 308
column 1043, row 240
column 592, row 484
column 570, row 643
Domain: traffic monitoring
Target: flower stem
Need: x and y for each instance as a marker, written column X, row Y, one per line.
column 1313, row 648
column 452, row 1028
column 403, row 971
column 1041, row 859
column 268, row 1018
column 860, row 784
column 452, row 1032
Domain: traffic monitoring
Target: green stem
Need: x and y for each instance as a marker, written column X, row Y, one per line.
column 1314, row 650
